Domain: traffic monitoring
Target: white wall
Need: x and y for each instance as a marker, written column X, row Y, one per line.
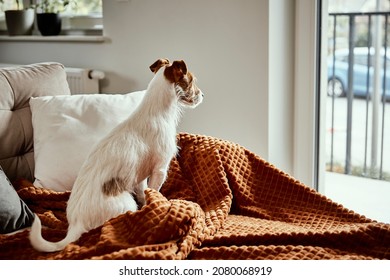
column 240, row 51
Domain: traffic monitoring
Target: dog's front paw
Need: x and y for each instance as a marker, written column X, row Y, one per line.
column 157, row 179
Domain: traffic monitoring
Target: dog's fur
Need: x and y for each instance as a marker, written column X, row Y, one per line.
column 134, row 155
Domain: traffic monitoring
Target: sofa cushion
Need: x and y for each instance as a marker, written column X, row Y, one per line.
column 17, row 85
column 67, row 127
column 14, row 213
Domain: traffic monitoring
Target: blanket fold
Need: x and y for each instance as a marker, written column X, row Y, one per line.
column 220, row 201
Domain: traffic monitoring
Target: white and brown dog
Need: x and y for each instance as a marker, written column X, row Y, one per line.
column 134, row 155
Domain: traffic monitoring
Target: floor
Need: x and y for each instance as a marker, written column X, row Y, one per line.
column 367, row 197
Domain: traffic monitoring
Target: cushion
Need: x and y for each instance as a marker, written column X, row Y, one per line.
column 17, row 85
column 14, row 213
column 67, row 127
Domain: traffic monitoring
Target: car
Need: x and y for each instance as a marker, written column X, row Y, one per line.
column 338, row 81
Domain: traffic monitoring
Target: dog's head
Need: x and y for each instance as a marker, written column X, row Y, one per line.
column 187, row 92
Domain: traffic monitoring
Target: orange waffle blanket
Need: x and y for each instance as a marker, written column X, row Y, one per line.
column 220, row 201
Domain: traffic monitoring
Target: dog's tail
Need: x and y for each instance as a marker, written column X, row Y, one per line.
column 42, row 245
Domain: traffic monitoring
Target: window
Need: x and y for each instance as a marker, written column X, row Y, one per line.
column 85, row 7
column 356, row 122
column 86, row 17
column 81, row 17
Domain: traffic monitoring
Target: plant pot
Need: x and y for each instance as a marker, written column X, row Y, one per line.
column 19, row 22
column 49, row 24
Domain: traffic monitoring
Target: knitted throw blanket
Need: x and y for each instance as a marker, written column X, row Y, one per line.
column 220, row 201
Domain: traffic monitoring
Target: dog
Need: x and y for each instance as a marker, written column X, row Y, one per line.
column 134, row 155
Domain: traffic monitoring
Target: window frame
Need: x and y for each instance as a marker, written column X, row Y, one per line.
column 310, row 65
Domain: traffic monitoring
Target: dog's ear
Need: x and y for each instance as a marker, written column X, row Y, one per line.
column 176, row 71
column 158, row 64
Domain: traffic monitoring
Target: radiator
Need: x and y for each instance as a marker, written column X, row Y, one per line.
column 83, row 80
column 80, row 80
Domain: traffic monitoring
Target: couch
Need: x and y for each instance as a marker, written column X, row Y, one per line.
column 220, row 200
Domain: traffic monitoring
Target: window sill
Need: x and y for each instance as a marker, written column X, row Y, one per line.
column 59, row 38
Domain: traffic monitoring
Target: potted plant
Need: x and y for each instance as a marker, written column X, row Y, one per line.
column 19, row 21
column 49, row 15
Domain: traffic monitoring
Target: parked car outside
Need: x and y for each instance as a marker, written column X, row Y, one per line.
column 338, row 82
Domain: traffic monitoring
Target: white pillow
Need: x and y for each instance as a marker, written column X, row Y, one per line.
column 67, row 127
